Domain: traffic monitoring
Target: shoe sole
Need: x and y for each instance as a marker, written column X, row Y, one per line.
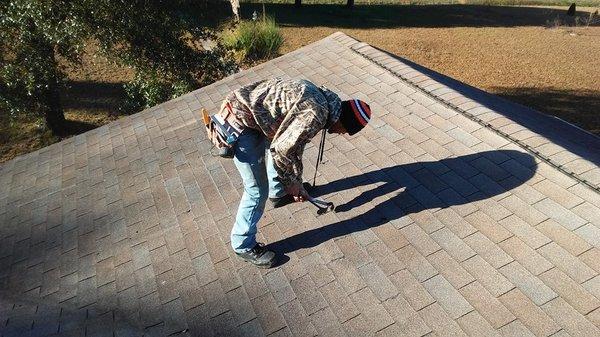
column 263, row 266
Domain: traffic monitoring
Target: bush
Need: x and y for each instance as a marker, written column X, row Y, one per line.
column 154, row 85
column 147, row 90
column 254, row 39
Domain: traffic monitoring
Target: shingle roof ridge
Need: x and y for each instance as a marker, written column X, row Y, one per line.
column 524, row 127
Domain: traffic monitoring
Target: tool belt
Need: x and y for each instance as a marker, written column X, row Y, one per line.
column 223, row 129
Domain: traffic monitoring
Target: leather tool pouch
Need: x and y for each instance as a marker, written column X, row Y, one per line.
column 224, row 129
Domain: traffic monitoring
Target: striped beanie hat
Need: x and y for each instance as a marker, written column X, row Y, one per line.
column 355, row 115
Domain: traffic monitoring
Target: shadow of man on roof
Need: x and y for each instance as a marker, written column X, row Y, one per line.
column 410, row 188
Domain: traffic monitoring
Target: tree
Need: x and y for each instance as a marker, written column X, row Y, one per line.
column 32, row 34
column 148, row 36
column 235, row 8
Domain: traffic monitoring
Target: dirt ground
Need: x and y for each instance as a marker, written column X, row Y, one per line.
column 525, row 54
column 529, row 55
column 555, row 71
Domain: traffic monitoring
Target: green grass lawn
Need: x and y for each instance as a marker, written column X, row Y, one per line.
column 589, row 3
column 402, row 16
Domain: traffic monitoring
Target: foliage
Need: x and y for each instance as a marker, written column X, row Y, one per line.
column 148, row 36
column 167, row 54
column 254, row 39
column 148, row 89
column 32, row 33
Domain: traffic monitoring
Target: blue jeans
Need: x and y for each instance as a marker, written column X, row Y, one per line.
column 260, row 182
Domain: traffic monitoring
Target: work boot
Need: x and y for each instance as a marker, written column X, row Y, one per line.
column 259, row 256
column 281, row 201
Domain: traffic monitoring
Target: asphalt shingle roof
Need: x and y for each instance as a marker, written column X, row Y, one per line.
column 458, row 213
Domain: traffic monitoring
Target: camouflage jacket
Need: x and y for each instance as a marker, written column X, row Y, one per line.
column 289, row 113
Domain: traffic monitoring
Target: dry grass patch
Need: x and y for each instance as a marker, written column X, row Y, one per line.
column 506, row 51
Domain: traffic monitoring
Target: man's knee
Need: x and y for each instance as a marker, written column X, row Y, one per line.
column 263, row 194
column 258, row 192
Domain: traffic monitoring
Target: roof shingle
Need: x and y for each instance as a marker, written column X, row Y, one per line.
column 458, row 212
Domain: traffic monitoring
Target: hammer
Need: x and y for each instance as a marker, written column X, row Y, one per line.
column 323, row 206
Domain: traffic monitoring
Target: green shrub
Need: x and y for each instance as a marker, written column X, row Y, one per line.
column 254, row 39
column 149, row 89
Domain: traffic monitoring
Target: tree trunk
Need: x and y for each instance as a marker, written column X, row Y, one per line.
column 298, row 3
column 52, row 109
column 235, row 8
column 53, row 112
column 350, row 3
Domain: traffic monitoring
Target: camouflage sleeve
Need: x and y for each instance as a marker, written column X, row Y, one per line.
column 297, row 129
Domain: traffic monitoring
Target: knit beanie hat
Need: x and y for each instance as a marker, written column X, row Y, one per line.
column 355, row 115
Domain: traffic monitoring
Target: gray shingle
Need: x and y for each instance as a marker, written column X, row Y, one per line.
column 133, row 219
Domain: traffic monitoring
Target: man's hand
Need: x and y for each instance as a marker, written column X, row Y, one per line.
column 298, row 192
